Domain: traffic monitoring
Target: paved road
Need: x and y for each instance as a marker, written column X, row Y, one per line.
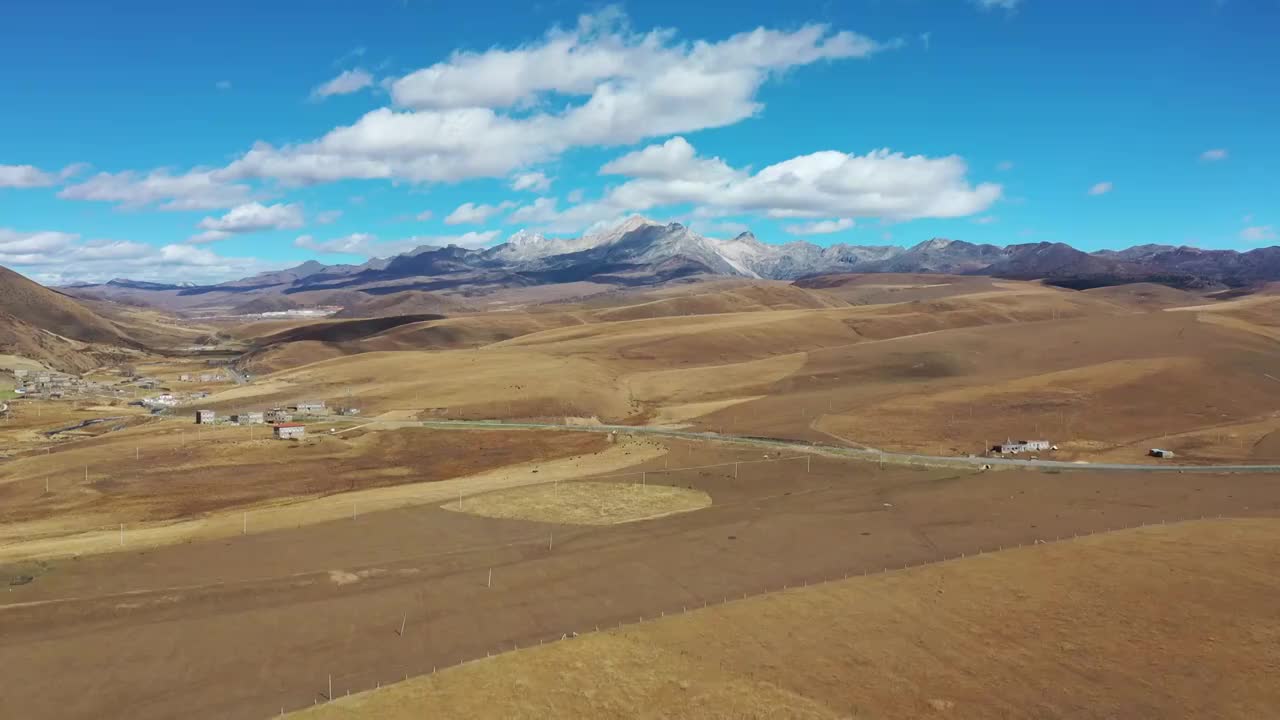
column 870, row 454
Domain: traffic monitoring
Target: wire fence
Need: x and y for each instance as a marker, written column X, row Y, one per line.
column 336, row 686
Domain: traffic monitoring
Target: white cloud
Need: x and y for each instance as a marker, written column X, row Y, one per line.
column 347, row 82
column 531, row 181
column 58, row 257
column 1101, row 188
column 998, row 4
column 484, row 115
column 30, row 176
column 821, row 227
column 1258, row 233
column 674, row 159
column 355, row 243
column 576, row 195
column 985, row 220
column 223, row 84
column 328, row 217
column 251, row 217
column 369, row 246
column 1214, row 155
column 1005, row 166
column 472, row 214
column 199, row 189
column 425, row 215
column 924, row 38
column 726, row 228
column 881, row 184
column 24, row 176
column 1247, row 219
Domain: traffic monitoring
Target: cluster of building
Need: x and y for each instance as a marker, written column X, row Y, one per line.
column 280, row 418
column 207, row 377
column 48, row 384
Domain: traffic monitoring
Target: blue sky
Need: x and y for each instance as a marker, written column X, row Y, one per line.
column 172, row 141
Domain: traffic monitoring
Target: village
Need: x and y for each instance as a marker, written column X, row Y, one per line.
column 286, row 422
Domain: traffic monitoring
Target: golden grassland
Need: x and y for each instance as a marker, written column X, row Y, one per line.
column 1163, row 621
column 584, row 503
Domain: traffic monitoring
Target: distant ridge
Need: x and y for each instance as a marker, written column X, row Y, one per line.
column 641, row 252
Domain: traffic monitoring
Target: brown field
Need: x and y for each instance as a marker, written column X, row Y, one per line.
column 160, row 474
column 244, row 625
column 1046, row 631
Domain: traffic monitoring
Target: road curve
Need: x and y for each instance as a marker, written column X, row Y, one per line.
column 868, row 454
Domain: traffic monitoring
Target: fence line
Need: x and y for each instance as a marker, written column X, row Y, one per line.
column 405, row 672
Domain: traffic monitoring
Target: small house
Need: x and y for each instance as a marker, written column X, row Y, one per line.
column 1014, row 447
column 1161, row 453
column 313, row 406
column 205, row 417
column 290, row 431
column 248, row 418
column 277, row 415
column 184, row 377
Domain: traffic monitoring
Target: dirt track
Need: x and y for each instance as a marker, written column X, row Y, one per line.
column 249, row 625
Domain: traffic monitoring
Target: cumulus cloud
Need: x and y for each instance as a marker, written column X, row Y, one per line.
column 30, row 176
column 369, row 246
column 1101, row 188
column 58, row 257
column 199, row 189
column 821, row 227
column 881, row 184
column 1258, row 233
column 1214, row 155
column 250, row 217
column 673, row 160
column 355, row 243
column 487, row 114
column 473, row 214
column 347, row 82
column 531, row 181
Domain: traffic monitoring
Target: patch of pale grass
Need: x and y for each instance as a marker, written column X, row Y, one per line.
column 584, row 503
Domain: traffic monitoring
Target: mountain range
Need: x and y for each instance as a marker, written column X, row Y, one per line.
column 642, row 252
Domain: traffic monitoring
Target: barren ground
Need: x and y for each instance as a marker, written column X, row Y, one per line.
column 1046, row 631
column 242, row 626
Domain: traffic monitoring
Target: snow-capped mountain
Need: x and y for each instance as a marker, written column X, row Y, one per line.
column 642, row 252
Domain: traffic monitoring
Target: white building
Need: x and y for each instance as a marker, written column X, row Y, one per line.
column 248, row 418
column 1014, row 447
column 277, row 415
column 290, row 431
column 205, row 417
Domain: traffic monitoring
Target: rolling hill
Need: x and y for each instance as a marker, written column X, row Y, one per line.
column 53, row 328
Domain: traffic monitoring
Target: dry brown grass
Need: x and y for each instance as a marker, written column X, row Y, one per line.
column 584, row 503
column 1165, row 621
